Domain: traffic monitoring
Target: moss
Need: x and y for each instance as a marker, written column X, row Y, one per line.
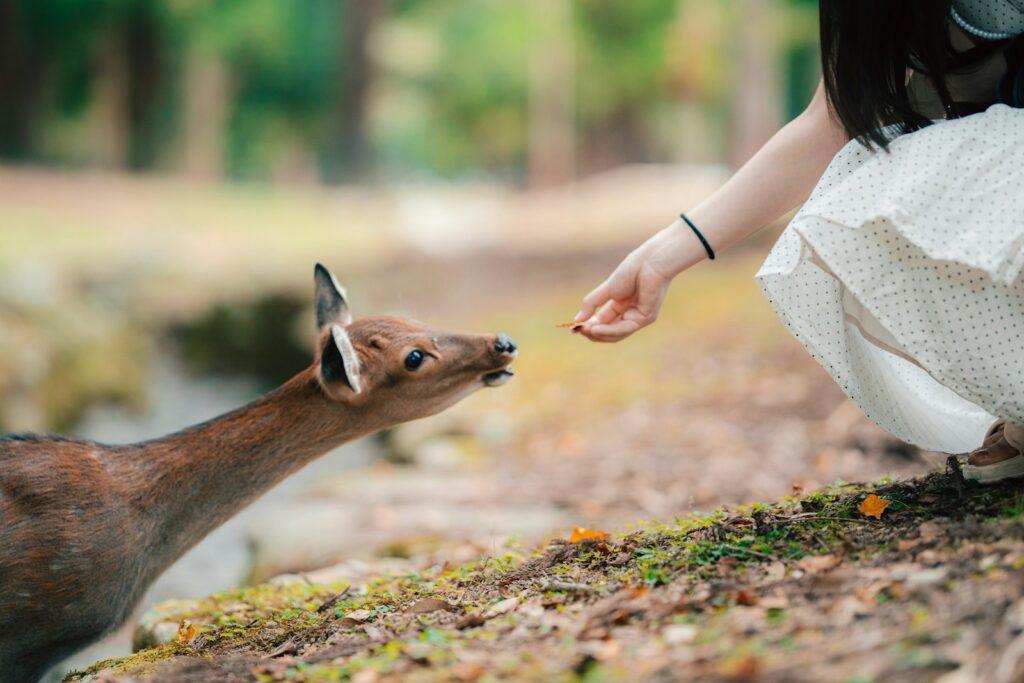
column 141, row 662
column 695, row 549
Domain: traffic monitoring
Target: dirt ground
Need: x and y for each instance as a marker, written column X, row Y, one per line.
column 810, row 588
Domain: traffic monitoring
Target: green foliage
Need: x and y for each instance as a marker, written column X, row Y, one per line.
column 448, row 85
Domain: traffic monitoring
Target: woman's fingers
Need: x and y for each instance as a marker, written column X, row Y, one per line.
column 613, row 331
column 591, row 301
column 620, row 285
column 607, row 313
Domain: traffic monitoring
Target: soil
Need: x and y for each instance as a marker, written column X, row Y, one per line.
column 808, row 588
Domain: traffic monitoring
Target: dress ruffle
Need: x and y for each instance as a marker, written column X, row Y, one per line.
column 901, row 276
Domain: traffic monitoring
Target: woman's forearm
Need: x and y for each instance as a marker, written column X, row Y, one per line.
column 775, row 180
column 780, row 176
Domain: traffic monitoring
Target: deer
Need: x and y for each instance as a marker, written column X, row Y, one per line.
column 85, row 528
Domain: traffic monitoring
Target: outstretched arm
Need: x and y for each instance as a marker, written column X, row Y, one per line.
column 775, row 180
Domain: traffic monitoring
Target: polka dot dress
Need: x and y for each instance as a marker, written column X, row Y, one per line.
column 901, row 275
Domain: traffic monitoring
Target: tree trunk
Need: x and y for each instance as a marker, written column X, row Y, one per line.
column 756, row 109
column 351, row 159
column 552, row 131
column 20, row 83
column 108, row 117
column 206, row 98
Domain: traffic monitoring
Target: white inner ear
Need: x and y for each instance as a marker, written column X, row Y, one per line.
column 347, row 313
column 348, row 355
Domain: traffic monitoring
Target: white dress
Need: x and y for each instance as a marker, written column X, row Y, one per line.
column 901, row 275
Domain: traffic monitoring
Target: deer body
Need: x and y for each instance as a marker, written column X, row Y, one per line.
column 85, row 528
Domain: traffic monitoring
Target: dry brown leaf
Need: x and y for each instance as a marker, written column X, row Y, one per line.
column 359, row 616
column 468, row 671
column 579, row 535
column 814, row 564
column 745, row 668
column 503, row 607
column 186, row 631
column 746, row 598
column 427, row 605
column 873, row 506
column 637, row 592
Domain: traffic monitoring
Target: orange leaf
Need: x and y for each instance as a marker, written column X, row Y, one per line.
column 579, row 534
column 186, row 631
column 873, row 506
column 637, row 592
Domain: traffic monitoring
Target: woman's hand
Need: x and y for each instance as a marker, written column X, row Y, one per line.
column 631, row 297
column 778, row 178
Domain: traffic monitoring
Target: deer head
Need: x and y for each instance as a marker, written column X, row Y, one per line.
column 397, row 369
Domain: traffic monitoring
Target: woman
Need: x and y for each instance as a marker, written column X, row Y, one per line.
column 900, row 272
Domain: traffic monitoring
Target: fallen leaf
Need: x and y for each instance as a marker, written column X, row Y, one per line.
column 427, row 605
column 359, row 616
column 744, row 669
column 775, row 571
column 814, row 564
column 186, row 631
column 746, row 598
column 468, row 671
column 579, row 535
column 499, row 608
column 679, row 634
column 873, row 506
column 637, row 592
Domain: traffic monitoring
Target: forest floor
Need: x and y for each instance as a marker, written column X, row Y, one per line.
column 909, row 580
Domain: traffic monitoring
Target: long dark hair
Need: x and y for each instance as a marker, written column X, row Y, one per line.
column 867, row 47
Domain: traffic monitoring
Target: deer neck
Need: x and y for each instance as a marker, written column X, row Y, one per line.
column 188, row 483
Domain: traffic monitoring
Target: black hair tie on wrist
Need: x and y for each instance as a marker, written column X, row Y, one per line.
column 707, row 247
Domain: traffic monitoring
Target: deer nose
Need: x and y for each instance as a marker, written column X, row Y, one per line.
column 504, row 344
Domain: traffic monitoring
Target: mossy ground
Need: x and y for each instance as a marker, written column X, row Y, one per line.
column 807, row 588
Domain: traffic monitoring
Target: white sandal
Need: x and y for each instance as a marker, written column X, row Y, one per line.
column 1007, row 469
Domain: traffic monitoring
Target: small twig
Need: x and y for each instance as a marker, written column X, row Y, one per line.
column 550, row 585
column 749, row 551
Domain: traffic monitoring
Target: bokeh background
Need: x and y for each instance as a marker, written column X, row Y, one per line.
column 170, row 170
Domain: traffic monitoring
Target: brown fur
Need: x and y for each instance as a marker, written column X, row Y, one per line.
column 85, row 528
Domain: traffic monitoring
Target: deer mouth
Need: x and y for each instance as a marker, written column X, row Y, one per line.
column 498, row 377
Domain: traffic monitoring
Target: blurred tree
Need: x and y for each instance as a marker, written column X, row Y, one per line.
column 622, row 50
column 756, row 107
column 551, row 94
column 351, row 154
column 309, row 90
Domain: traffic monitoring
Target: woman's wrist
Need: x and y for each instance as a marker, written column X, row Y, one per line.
column 674, row 249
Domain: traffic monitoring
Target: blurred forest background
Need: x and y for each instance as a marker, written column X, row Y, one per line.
column 170, row 170
column 532, row 92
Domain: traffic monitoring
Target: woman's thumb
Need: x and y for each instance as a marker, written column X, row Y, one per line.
column 592, row 301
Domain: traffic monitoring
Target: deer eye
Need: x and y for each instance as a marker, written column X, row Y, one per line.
column 414, row 360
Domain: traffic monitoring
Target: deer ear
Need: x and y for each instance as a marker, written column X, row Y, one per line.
column 339, row 361
column 331, row 302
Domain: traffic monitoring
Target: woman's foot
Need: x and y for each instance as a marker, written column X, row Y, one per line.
column 998, row 458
